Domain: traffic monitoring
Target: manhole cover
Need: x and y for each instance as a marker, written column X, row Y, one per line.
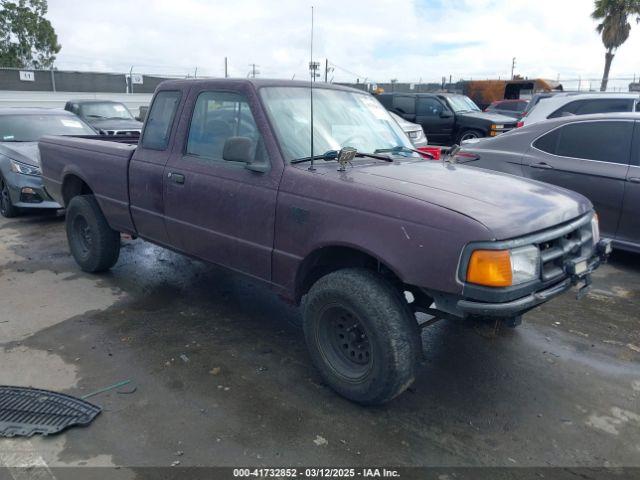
column 29, row 411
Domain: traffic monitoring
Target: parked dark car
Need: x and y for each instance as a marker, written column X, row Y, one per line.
column 106, row 116
column 595, row 155
column 510, row 108
column 20, row 130
column 446, row 118
column 364, row 234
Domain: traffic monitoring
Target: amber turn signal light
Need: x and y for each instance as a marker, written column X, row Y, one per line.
column 491, row 268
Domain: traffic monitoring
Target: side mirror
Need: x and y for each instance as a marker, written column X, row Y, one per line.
column 241, row 149
column 238, row 149
column 446, row 114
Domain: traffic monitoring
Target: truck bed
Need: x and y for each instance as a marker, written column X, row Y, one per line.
column 100, row 161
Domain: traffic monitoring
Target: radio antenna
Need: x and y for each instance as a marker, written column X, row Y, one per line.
column 312, row 72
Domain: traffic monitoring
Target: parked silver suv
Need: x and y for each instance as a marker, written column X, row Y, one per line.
column 576, row 103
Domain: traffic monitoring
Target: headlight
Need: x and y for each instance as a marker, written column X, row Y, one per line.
column 504, row 268
column 595, row 228
column 24, row 169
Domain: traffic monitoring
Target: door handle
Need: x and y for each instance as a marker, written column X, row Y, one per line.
column 634, row 179
column 541, row 165
column 176, row 177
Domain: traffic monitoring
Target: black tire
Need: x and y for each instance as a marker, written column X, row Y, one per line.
column 468, row 134
column 361, row 335
column 7, row 209
column 93, row 243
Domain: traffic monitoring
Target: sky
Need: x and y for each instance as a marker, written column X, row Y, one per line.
column 373, row 40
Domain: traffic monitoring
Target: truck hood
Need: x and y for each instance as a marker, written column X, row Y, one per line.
column 115, row 124
column 24, row 152
column 489, row 117
column 508, row 206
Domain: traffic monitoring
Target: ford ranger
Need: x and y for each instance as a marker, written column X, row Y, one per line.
column 352, row 224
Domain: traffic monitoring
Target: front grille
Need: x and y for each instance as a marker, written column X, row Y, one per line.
column 556, row 249
column 132, row 133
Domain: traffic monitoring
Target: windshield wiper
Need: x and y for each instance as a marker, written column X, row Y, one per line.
column 333, row 155
column 402, row 149
column 96, row 116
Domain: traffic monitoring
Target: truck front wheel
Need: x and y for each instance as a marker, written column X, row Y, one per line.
column 361, row 335
column 93, row 243
column 468, row 135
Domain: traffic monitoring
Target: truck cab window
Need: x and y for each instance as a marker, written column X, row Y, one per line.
column 159, row 121
column 218, row 116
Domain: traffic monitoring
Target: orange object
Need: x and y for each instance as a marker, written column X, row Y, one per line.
column 434, row 151
column 491, row 268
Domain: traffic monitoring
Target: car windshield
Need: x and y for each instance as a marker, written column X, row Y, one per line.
column 462, row 103
column 29, row 128
column 106, row 110
column 341, row 118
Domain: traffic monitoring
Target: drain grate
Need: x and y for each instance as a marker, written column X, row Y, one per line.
column 30, row 411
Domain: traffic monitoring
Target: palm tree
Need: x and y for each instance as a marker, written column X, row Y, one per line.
column 614, row 27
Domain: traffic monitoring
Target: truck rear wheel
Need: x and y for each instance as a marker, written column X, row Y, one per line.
column 361, row 335
column 93, row 243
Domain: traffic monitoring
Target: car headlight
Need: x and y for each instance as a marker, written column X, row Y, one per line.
column 24, row 169
column 504, row 268
column 595, row 228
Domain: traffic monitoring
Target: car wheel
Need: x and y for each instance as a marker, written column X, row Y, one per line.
column 468, row 135
column 361, row 335
column 93, row 243
column 7, row 209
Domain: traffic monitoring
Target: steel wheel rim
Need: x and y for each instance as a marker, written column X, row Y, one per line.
column 82, row 234
column 344, row 343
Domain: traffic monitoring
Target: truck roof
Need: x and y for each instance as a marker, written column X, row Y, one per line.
column 91, row 100
column 256, row 82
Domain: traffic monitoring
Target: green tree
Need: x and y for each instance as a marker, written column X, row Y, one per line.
column 27, row 39
column 614, row 27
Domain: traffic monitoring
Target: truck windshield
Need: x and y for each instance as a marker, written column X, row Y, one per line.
column 106, row 110
column 341, row 119
column 462, row 103
column 29, row 128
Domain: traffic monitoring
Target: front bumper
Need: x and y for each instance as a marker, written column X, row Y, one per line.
column 27, row 191
column 519, row 306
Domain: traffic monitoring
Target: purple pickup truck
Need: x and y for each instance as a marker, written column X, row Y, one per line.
column 363, row 235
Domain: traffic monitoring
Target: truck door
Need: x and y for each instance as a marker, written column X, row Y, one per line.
column 629, row 229
column 589, row 157
column 146, row 169
column 436, row 119
column 217, row 209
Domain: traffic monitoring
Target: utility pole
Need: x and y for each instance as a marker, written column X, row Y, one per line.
column 513, row 66
column 326, row 70
column 254, row 72
column 313, row 69
column 226, row 71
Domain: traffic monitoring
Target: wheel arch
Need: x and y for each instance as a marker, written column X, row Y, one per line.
column 330, row 258
column 72, row 186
